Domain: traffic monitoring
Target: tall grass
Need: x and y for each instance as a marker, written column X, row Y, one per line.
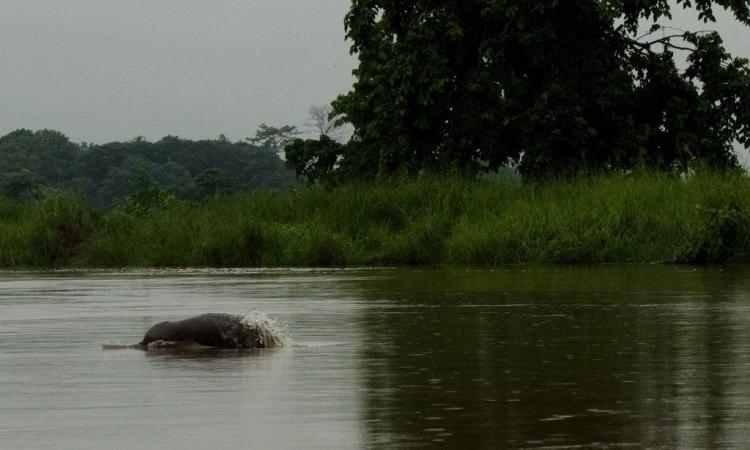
column 648, row 218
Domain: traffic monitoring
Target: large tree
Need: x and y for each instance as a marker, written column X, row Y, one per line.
column 556, row 87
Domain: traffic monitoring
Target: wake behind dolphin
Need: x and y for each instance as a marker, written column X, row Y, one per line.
column 217, row 330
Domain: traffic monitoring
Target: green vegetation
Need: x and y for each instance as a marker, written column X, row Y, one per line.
column 550, row 91
column 34, row 164
column 556, row 88
column 601, row 219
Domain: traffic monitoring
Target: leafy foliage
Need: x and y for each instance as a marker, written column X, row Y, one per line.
column 274, row 138
column 313, row 160
column 137, row 172
column 554, row 87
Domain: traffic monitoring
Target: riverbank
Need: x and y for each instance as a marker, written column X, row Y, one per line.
column 652, row 218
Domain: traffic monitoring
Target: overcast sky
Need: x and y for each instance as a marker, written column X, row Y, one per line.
column 103, row 70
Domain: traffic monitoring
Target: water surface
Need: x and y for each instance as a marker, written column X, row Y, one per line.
column 452, row 358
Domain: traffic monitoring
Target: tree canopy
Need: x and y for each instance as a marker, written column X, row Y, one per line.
column 273, row 138
column 32, row 162
column 552, row 87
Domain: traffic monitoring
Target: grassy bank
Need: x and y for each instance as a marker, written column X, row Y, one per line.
column 609, row 219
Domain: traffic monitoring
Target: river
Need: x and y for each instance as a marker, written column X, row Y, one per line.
column 578, row 357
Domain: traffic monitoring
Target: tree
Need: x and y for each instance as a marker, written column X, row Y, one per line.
column 320, row 120
column 146, row 196
column 555, row 87
column 47, row 154
column 313, row 160
column 213, row 182
column 274, row 138
column 21, row 185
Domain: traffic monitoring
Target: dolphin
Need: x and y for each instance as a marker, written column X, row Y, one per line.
column 215, row 330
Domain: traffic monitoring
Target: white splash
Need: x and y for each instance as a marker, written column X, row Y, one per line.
column 271, row 334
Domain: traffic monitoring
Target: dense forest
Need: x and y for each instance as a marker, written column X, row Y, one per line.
column 35, row 163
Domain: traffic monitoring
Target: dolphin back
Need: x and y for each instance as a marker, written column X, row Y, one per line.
column 210, row 330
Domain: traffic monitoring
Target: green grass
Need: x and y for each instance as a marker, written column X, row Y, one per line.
column 649, row 218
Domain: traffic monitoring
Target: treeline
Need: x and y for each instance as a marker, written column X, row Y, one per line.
column 33, row 164
column 646, row 218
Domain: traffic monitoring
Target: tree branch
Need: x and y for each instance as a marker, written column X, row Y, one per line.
column 666, row 41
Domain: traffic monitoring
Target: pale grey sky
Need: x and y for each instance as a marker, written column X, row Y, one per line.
column 102, row 70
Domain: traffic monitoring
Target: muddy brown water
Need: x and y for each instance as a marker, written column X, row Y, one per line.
column 583, row 357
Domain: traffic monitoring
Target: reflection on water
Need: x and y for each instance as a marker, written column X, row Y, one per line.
column 524, row 358
column 452, row 358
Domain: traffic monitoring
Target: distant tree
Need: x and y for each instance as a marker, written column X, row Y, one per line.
column 321, row 121
column 212, row 182
column 20, row 185
column 313, row 160
column 146, row 196
column 106, row 174
column 125, row 178
column 274, row 138
column 171, row 176
column 47, row 154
